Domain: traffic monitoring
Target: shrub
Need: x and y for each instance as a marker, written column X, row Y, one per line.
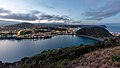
column 116, row 58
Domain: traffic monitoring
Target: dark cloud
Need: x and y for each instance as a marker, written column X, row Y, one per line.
column 35, row 12
column 53, row 17
column 20, row 16
column 112, row 8
column 45, row 17
column 32, row 15
column 4, row 11
column 96, row 18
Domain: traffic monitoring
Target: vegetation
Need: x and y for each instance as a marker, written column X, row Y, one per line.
column 116, row 58
column 118, row 37
column 94, row 31
column 103, row 58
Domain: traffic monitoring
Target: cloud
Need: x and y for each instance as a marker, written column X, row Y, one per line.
column 7, row 14
column 95, row 18
column 51, row 7
column 112, row 8
column 35, row 12
column 53, row 17
column 4, row 11
column 20, row 16
column 31, row 15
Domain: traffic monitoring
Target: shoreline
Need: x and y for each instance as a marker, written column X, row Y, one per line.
column 115, row 33
column 85, row 36
column 20, row 38
column 42, row 37
column 90, row 37
column 17, row 38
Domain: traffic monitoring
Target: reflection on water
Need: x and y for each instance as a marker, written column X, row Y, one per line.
column 14, row 50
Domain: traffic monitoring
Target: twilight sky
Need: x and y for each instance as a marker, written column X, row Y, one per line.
column 83, row 11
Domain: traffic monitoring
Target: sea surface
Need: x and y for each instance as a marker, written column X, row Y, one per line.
column 14, row 50
column 114, row 27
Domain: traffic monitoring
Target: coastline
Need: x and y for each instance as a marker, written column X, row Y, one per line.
column 19, row 38
column 37, row 37
column 115, row 33
column 98, row 39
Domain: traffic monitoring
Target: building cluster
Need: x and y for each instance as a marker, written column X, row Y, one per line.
column 115, row 33
column 36, row 32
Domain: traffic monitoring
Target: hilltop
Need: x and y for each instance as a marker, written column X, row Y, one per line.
column 94, row 32
column 21, row 25
column 17, row 26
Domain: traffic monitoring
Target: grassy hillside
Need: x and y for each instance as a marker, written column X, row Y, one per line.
column 104, row 58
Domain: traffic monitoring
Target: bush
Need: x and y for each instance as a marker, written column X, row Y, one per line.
column 116, row 58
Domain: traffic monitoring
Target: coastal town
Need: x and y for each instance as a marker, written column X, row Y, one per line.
column 31, row 31
column 35, row 32
column 115, row 33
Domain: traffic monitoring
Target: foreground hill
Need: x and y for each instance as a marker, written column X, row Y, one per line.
column 94, row 31
column 104, row 58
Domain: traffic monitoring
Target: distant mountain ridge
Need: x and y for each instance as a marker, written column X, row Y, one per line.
column 30, row 25
column 5, row 23
column 69, row 25
column 17, row 26
column 22, row 25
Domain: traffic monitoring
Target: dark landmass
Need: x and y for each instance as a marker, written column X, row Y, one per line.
column 68, row 25
column 17, row 26
column 21, row 25
column 30, row 25
column 5, row 23
column 94, row 32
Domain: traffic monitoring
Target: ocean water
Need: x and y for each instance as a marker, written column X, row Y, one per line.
column 14, row 50
column 113, row 27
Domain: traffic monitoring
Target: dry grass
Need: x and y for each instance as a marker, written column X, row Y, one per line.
column 99, row 59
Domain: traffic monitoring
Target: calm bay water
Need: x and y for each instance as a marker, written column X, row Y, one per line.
column 14, row 50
